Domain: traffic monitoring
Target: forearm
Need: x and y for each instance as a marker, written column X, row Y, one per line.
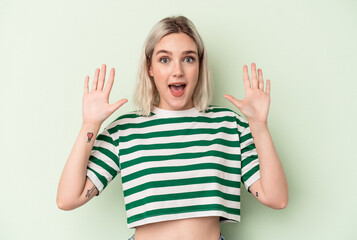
column 73, row 176
column 274, row 186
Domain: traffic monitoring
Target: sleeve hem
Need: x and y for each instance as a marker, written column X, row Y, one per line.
column 255, row 177
column 97, row 183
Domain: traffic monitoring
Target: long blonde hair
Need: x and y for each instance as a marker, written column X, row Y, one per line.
column 146, row 95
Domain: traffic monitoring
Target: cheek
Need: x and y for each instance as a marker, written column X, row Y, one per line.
column 157, row 72
column 194, row 74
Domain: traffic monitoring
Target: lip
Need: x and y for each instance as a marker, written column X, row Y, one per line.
column 177, row 94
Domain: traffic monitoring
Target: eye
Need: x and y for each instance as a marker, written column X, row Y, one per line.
column 189, row 59
column 164, row 60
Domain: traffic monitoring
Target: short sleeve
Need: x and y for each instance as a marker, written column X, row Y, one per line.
column 249, row 156
column 103, row 163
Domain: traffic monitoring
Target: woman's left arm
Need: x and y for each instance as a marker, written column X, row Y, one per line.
column 272, row 188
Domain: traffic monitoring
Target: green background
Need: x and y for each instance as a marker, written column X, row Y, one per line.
column 308, row 49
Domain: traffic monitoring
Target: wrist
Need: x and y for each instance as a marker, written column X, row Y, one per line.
column 258, row 126
column 90, row 126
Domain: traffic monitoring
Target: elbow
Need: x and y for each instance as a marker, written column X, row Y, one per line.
column 280, row 204
column 64, row 205
column 277, row 202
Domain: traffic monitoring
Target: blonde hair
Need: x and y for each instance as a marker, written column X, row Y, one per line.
column 146, row 95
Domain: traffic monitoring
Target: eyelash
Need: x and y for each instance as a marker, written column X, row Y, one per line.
column 192, row 59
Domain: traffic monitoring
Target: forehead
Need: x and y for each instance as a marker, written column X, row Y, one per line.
column 176, row 42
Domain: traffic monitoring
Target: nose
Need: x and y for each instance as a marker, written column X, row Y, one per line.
column 177, row 71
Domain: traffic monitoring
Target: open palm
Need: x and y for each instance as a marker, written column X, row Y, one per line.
column 255, row 105
column 96, row 107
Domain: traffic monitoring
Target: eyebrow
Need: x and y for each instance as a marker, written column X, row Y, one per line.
column 170, row 53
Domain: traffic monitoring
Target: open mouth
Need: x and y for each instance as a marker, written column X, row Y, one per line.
column 177, row 90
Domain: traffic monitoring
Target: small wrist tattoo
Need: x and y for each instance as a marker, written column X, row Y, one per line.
column 256, row 194
column 90, row 136
column 89, row 192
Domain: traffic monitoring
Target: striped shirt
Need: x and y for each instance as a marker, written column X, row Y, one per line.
column 177, row 164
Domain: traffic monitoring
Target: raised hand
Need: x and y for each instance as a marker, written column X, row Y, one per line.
column 96, row 107
column 255, row 105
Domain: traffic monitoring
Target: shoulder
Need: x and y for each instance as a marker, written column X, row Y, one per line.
column 224, row 110
column 214, row 109
column 127, row 118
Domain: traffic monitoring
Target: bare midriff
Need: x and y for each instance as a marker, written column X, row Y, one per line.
column 200, row 228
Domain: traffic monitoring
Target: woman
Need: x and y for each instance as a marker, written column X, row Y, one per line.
column 181, row 160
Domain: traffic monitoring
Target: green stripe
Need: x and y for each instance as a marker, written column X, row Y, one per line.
column 177, row 145
column 172, row 120
column 102, row 179
column 199, row 166
column 180, row 182
column 242, row 124
column 107, row 153
column 177, row 196
column 128, row 115
column 250, row 173
column 197, row 208
column 248, row 160
column 102, row 164
column 248, row 148
column 219, row 109
column 245, row 137
column 212, row 153
column 178, row 133
column 105, row 138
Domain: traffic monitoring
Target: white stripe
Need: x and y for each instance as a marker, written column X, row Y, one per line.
column 182, row 189
column 240, row 128
column 249, row 153
column 255, row 177
column 245, row 131
column 182, row 203
column 183, row 216
column 251, row 165
column 178, row 139
column 246, row 143
column 240, row 118
column 103, row 144
column 173, row 126
column 95, row 180
column 181, row 162
column 211, row 115
column 101, row 171
column 166, row 152
column 104, row 158
column 179, row 176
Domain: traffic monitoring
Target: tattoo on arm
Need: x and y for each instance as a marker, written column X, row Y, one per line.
column 90, row 136
column 256, row 194
column 90, row 191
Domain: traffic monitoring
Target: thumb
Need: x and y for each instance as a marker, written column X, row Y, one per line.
column 236, row 102
column 118, row 104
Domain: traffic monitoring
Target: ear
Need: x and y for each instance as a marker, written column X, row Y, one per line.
column 151, row 74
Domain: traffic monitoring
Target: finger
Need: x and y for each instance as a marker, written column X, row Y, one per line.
column 254, row 76
column 260, row 80
column 101, row 77
column 109, row 84
column 86, row 88
column 235, row 102
column 246, row 78
column 118, row 104
column 267, row 90
column 95, row 80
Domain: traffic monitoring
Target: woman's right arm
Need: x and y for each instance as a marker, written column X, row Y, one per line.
column 75, row 188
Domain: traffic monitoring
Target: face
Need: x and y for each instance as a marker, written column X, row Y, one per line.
column 175, row 69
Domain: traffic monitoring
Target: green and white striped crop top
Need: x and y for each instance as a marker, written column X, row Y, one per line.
column 177, row 164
